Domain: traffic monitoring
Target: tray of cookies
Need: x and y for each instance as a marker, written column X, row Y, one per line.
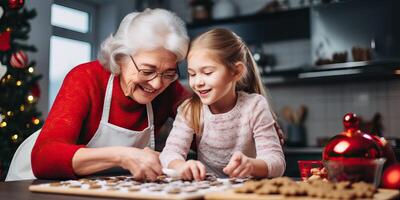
column 125, row 187
column 286, row 188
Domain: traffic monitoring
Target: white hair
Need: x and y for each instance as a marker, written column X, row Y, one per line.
column 147, row 30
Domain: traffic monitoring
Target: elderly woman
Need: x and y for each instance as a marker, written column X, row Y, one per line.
column 108, row 112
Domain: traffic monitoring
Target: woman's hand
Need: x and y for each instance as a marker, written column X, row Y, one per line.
column 143, row 164
column 239, row 166
column 192, row 169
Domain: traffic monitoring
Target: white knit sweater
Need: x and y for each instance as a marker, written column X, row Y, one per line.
column 248, row 127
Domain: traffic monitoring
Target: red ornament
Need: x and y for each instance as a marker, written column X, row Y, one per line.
column 19, row 59
column 349, row 154
column 387, row 150
column 36, row 90
column 5, row 41
column 15, row 4
column 391, row 177
column 352, row 143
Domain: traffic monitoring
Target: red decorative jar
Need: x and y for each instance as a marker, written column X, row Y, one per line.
column 353, row 155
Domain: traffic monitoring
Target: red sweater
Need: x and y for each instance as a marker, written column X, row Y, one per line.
column 76, row 113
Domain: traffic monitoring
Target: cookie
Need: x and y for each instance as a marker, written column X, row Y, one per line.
column 267, row 189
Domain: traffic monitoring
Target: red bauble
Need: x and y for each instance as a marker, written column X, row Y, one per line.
column 387, row 150
column 352, row 143
column 5, row 41
column 19, row 59
column 36, row 90
column 349, row 154
column 15, row 4
column 391, row 177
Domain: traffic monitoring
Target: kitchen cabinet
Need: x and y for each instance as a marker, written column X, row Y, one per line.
column 260, row 28
column 336, row 27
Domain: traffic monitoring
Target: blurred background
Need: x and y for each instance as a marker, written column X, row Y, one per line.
column 319, row 58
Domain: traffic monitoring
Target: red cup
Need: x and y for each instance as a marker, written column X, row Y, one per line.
column 306, row 167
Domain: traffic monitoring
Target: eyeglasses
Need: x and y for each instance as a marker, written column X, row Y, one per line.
column 150, row 74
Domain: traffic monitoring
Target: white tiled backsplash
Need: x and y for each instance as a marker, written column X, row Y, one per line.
column 327, row 103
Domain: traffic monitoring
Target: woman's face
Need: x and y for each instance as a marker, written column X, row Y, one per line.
column 141, row 89
column 210, row 80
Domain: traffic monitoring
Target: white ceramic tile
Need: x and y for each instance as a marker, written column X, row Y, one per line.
column 328, row 103
column 387, row 129
column 381, row 89
column 380, row 105
column 315, row 131
column 334, row 127
column 316, row 111
column 394, row 130
column 348, row 106
column 333, row 110
column 393, row 88
column 394, row 107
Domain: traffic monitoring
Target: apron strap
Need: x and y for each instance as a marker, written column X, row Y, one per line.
column 107, row 99
column 150, row 121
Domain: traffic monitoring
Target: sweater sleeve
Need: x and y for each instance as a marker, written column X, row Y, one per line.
column 266, row 139
column 57, row 143
column 178, row 142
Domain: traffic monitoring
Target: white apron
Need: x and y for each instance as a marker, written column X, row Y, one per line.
column 106, row 135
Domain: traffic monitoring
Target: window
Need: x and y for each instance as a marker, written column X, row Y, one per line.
column 71, row 42
column 77, row 20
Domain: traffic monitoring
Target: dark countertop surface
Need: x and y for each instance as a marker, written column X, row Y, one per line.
column 18, row 190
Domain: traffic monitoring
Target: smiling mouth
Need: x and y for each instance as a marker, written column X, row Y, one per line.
column 203, row 92
column 147, row 90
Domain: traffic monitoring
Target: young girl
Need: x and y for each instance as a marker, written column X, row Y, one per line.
column 233, row 125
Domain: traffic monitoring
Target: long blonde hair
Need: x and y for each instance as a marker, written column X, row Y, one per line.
column 229, row 49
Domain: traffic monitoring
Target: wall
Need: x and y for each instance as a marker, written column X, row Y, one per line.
column 110, row 13
column 329, row 102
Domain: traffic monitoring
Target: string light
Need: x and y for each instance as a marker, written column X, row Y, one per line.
column 3, row 124
column 30, row 98
column 10, row 113
column 9, row 76
column 8, row 29
column 36, row 121
column 14, row 137
column 2, row 116
column 31, row 70
column 22, row 108
column 19, row 83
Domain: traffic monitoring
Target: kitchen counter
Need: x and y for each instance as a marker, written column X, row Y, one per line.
column 296, row 150
column 18, row 190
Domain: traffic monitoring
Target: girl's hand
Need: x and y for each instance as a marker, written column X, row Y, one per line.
column 192, row 169
column 239, row 166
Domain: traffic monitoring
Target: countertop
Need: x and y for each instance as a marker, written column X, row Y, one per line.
column 18, row 190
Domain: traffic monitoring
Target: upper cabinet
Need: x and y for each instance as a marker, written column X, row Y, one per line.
column 338, row 41
column 262, row 28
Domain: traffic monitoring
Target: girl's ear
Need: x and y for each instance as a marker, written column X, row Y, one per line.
column 239, row 70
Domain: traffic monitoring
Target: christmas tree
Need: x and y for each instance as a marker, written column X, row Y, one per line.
column 19, row 90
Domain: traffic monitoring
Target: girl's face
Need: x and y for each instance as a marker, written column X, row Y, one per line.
column 142, row 86
column 211, row 80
